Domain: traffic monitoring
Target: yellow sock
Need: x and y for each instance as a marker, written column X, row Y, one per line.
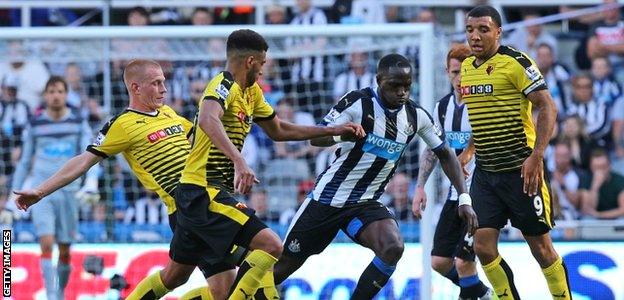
column 500, row 276
column 250, row 273
column 200, row 293
column 151, row 287
column 557, row 279
column 267, row 289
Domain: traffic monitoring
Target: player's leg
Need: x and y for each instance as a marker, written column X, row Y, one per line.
column 533, row 216
column 447, row 234
column 66, row 208
column 471, row 287
column 158, row 284
column 44, row 220
column 492, row 214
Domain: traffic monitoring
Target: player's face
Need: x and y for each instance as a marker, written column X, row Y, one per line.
column 453, row 72
column 152, row 89
column 55, row 96
column 394, row 88
column 483, row 36
column 255, row 64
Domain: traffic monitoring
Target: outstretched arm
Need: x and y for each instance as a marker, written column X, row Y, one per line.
column 280, row 130
column 70, row 171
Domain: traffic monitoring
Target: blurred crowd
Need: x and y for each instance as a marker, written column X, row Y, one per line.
column 585, row 159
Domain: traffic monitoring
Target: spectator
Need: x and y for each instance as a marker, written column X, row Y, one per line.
column 574, row 134
column 556, row 76
column 594, row 112
column 14, row 116
column 339, row 10
column 77, row 96
column 308, row 73
column 602, row 192
column 293, row 149
column 30, row 72
column 397, row 189
column 606, row 88
column 357, row 77
column 202, row 16
column 565, row 182
column 527, row 39
column 607, row 39
column 618, row 136
column 367, row 11
column 138, row 16
column 276, row 15
column 147, row 210
column 258, row 201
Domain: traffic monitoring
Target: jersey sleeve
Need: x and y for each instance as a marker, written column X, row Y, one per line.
column 262, row 110
column 525, row 75
column 340, row 114
column 436, row 116
column 427, row 129
column 218, row 89
column 112, row 139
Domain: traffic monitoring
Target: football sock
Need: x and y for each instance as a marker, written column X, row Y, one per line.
column 471, row 287
column 373, row 279
column 267, row 289
column 250, row 273
column 49, row 277
column 63, row 269
column 200, row 293
column 500, row 276
column 557, row 279
column 452, row 275
column 151, row 287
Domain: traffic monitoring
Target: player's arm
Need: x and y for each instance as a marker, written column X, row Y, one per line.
column 426, row 164
column 209, row 120
column 22, row 168
column 69, row 172
column 279, row 130
column 449, row 163
column 339, row 116
column 532, row 169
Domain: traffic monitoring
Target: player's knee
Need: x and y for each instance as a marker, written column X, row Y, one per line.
column 441, row 265
column 392, row 252
column 465, row 266
column 485, row 252
column 269, row 242
column 274, row 248
column 545, row 254
column 174, row 277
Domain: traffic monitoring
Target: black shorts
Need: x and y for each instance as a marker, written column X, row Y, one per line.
column 315, row 225
column 209, row 223
column 451, row 239
column 498, row 197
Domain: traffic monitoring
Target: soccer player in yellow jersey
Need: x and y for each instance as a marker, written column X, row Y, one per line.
column 210, row 220
column 500, row 85
column 153, row 139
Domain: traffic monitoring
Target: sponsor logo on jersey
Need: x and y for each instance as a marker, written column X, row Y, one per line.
column 165, row 133
column 477, row 89
column 383, row 147
column 332, row 116
column 222, row 91
column 458, row 139
column 99, row 139
column 532, row 73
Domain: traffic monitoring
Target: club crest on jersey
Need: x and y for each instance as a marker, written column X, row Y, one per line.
column 244, row 118
column 477, row 89
column 164, row 133
column 489, row 69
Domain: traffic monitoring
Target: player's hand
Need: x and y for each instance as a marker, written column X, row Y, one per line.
column 349, row 132
column 532, row 170
column 27, row 198
column 419, row 203
column 244, row 177
column 464, row 159
column 468, row 215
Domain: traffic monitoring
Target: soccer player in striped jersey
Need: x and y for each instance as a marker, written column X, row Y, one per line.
column 153, row 139
column 500, row 85
column 346, row 193
column 452, row 255
column 209, row 219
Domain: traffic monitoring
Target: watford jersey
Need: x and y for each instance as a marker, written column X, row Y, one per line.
column 499, row 112
column 206, row 164
column 155, row 146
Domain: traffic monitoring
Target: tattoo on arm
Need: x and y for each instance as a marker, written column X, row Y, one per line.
column 427, row 163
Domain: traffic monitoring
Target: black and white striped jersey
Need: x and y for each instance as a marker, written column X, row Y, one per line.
column 362, row 169
column 453, row 119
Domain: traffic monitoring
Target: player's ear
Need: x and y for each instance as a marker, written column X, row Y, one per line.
column 249, row 61
column 135, row 88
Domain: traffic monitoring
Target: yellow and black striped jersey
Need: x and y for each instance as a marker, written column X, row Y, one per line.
column 207, row 165
column 155, row 146
column 498, row 109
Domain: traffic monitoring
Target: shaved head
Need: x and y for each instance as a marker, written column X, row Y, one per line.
column 136, row 70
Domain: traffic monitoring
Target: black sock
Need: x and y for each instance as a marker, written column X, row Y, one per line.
column 373, row 279
column 471, row 287
column 453, row 276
